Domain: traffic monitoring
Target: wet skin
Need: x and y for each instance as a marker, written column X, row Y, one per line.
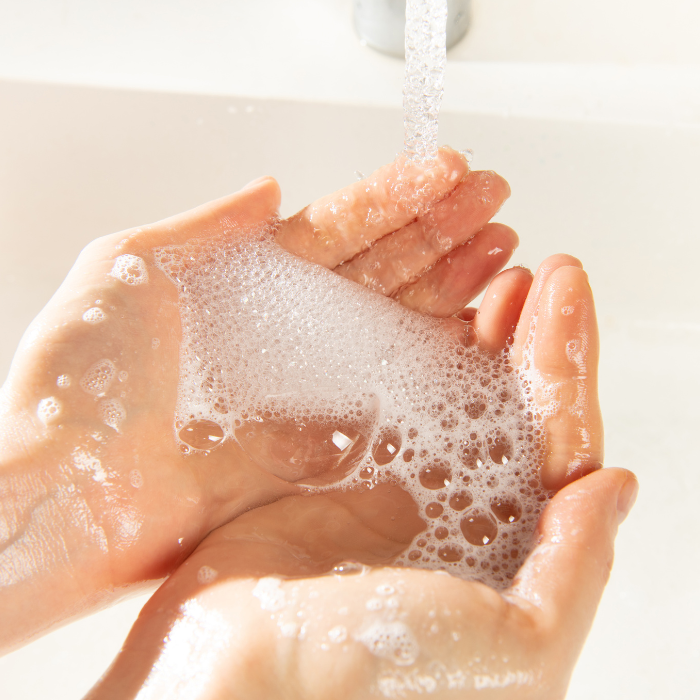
column 55, row 565
column 474, row 641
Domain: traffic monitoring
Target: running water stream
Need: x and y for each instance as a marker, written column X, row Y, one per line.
column 426, row 57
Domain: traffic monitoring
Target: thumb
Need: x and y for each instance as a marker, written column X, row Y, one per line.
column 566, row 573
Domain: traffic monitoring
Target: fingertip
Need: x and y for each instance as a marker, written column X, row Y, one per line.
column 544, row 272
column 265, row 187
column 501, row 307
column 627, row 497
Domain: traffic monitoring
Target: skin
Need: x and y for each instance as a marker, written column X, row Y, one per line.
column 89, row 513
column 82, row 531
column 519, row 643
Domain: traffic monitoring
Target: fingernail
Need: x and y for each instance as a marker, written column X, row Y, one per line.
column 626, row 498
column 254, row 183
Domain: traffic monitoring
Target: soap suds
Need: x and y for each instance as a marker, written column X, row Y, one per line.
column 354, row 390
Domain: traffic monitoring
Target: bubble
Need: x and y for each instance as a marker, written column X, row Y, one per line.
column 461, row 500
column 567, row 310
column 49, row 410
column 451, row 553
column 387, row 446
column 98, row 378
column 63, row 381
column 434, row 510
column 123, row 376
column 136, row 478
column 479, row 528
column 130, row 269
column 435, row 477
column 112, row 413
column 315, row 452
column 202, row 434
column 94, row 315
column 349, row 568
column 507, row 509
column 500, row 450
column 476, row 406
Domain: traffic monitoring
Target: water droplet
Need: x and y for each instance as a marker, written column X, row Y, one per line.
column 349, row 568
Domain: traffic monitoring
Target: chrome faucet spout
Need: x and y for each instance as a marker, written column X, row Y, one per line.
column 381, row 23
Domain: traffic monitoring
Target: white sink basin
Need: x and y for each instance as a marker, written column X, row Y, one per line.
column 76, row 163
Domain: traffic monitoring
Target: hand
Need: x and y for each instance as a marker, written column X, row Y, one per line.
column 95, row 494
column 261, row 616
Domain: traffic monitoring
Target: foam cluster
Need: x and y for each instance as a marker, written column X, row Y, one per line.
column 326, row 384
column 130, row 269
column 426, row 57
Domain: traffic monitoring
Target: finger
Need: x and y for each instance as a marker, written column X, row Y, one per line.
column 337, row 227
column 398, row 259
column 566, row 573
column 461, row 275
column 498, row 314
column 565, row 360
column 533, row 299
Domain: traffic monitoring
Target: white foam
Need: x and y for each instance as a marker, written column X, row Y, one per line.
column 63, row 381
column 130, row 269
column 340, row 359
column 426, row 22
column 112, row 413
column 94, row 315
column 271, row 596
column 98, row 378
column 49, row 410
column 393, row 641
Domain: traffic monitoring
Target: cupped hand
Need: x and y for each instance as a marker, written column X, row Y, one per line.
column 278, row 603
column 96, row 494
column 274, row 604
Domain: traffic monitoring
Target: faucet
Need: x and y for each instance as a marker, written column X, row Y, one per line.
column 381, row 23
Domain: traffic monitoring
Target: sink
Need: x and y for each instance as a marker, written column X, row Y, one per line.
column 596, row 129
